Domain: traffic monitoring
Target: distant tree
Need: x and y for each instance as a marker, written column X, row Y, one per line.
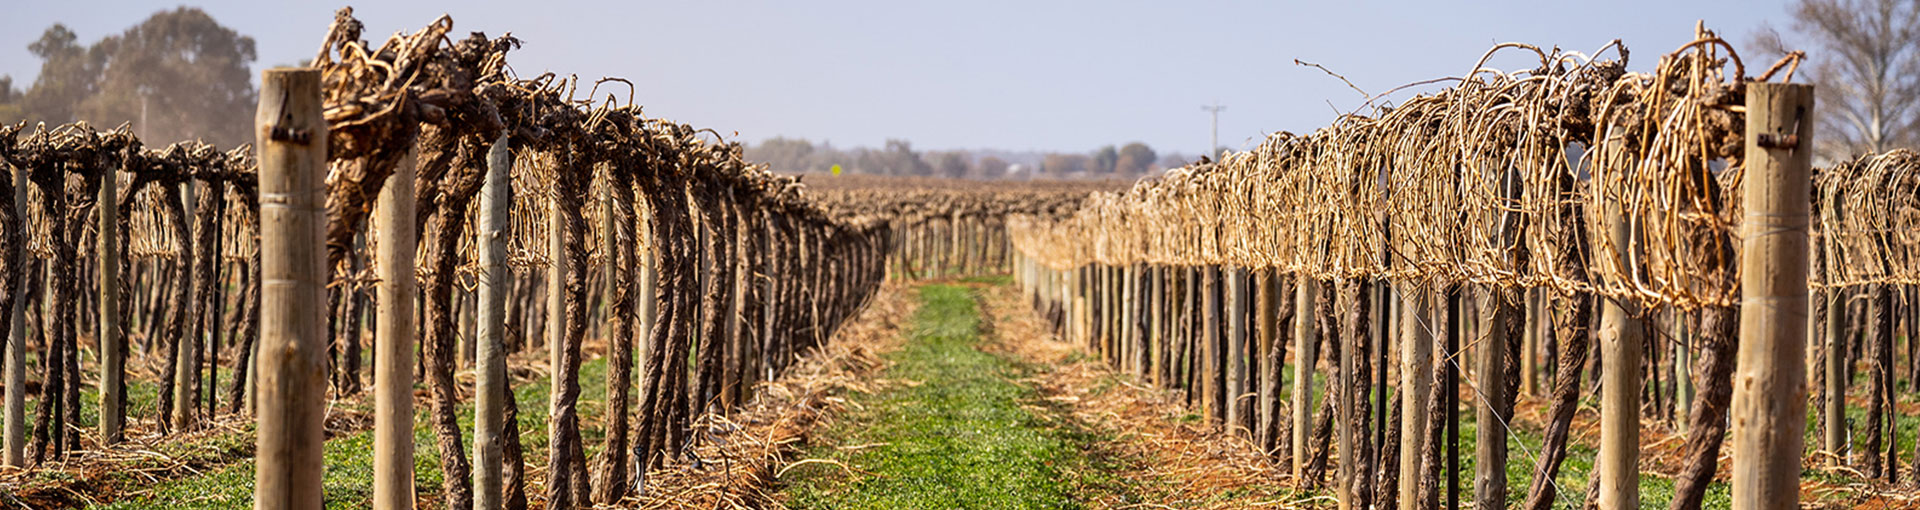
column 784, row 154
column 69, row 74
column 990, row 168
column 825, row 156
column 1064, row 165
column 187, row 75
column 1104, row 160
column 949, row 164
column 1173, row 160
column 10, row 108
column 898, row 158
column 191, row 75
column 1864, row 55
column 1135, row 159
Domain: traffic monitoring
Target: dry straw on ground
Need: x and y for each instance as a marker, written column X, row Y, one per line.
column 741, row 455
column 1182, row 464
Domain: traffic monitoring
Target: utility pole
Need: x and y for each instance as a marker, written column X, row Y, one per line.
column 1213, row 143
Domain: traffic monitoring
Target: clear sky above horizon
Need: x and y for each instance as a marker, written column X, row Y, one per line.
column 1015, row 75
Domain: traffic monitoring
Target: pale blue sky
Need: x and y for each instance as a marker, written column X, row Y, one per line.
column 1019, row 75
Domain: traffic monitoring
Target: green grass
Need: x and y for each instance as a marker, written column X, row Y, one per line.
column 955, row 433
column 349, row 460
column 989, row 279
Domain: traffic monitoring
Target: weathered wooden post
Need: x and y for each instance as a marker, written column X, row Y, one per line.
column 1213, row 383
column 1156, row 336
column 1237, row 416
column 490, row 363
column 113, row 347
column 1073, row 306
column 1110, row 311
column 953, row 257
column 1137, row 317
column 293, row 344
column 1185, row 354
column 1620, row 336
column 1416, row 387
column 1530, row 342
column 1266, row 299
column 1490, row 446
column 16, row 440
column 1769, row 393
column 394, row 337
column 1835, row 441
column 1305, row 286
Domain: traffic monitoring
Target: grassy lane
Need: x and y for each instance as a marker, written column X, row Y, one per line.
column 954, row 431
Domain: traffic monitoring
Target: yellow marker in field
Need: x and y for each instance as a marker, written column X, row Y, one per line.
column 836, row 169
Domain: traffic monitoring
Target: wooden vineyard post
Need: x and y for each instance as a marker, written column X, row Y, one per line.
column 954, row 256
column 1090, row 282
column 1530, row 342
column 490, row 363
column 394, row 339
column 1236, row 365
column 113, row 348
column 1618, row 466
column 1069, row 297
column 292, row 361
column 1116, row 317
column 1303, row 347
column 1050, row 284
column 1182, row 306
column 1020, row 277
column 1075, row 306
column 1139, row 330
column 1492, row 415
column 1040, row 280
column 1110, row 313
column 1490, row 447
column 1769, row 395
column 1213, row 382
column 1124, row 318
column 1089, row 306
column 1168, row 290
column 1416, row 386
column 1266, row 288
column 1156, row 336
column 905, row 258
column 1116, row 321
column 1102, row 311
column 16, row 440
